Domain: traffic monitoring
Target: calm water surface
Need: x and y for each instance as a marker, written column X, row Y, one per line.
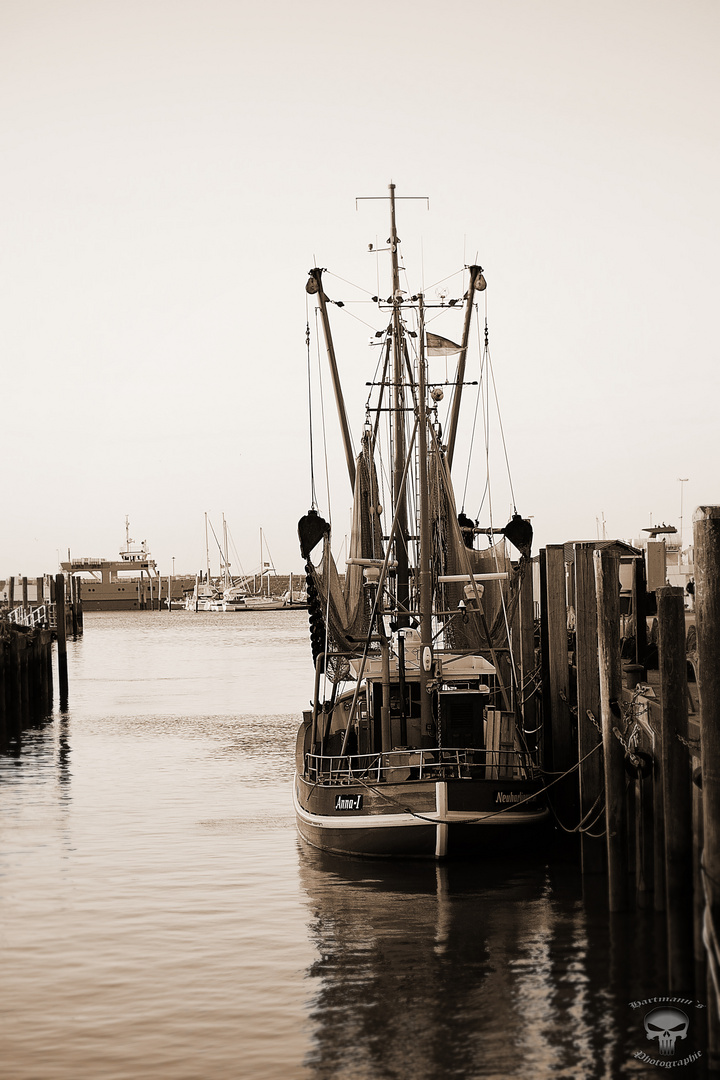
column 160, row 919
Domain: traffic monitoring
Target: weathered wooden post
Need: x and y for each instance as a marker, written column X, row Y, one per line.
column 607, row 581
column 26, row 711
column 706, row 528
column 73, row 605
column 3, row 688
column 78, row 582
column 564, row 754
column 11, row 593
column 61, row 639
column 677, row 797
column 48, row 669
column 527, row 653
column 25, row 594
column 592, row 849
column 15, row 700
column 639, row 603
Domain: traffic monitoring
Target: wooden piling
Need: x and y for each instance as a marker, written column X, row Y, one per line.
column 698, row 892
column 677, row 797
column 639, row 606
column 592, row 849
column 706, row 528
column 15, row 702
column 607, row 581
column 73, row 605
column 527, row 655
column 564, row 753
column 61, row 639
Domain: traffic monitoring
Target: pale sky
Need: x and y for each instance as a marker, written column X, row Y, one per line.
column 172, row 168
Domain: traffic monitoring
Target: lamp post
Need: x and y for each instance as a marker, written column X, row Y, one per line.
column 682, row 480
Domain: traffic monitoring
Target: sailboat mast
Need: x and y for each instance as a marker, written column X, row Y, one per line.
column 207, row 549
column 401, row 541
column 226, row 570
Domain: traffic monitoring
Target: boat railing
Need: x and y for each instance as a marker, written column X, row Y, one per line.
column 438, row 763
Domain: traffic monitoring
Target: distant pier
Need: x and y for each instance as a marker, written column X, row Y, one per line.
column 36, row 613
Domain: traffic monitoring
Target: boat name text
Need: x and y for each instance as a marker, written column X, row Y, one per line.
column 348, row 802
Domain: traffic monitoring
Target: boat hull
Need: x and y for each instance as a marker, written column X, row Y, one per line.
column 421, row 820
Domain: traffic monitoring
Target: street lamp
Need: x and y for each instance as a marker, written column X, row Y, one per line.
column 681, row 480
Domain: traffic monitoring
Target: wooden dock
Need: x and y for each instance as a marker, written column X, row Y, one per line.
column 631, row 717
column 28, row 631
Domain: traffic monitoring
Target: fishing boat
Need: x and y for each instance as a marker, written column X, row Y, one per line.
column 417, row 743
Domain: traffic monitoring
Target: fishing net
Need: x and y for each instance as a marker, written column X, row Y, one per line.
column 340, row 606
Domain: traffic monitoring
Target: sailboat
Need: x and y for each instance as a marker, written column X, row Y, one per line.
column 417, row 742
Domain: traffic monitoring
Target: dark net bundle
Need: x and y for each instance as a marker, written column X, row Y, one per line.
column 340, row 606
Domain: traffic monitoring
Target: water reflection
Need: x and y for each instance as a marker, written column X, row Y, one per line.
column 463, row 971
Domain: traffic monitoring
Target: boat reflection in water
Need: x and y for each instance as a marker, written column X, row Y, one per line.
column 503, row 971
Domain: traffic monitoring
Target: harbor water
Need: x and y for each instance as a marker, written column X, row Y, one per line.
column 159, row 917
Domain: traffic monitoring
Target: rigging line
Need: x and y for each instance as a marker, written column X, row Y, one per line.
column 351, row 283
column 243, row 575
column 222, row 556
column 313, row 494
column 472, row 443
column 436, row 283
column 272, row 561
column 491, row 373
column 482, row 382
column 383, row 352
column 346, row 311
column 322, row 416
column 486, row 363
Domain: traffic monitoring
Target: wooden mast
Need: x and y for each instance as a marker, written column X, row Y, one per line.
column 401, row 541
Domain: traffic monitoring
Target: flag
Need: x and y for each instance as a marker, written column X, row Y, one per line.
column 440, row 346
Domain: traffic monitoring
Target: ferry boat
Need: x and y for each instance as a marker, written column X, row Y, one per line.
column 416, row 744
column 128, row 583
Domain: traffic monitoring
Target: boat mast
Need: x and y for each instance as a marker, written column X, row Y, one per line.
column 226, row 571
column 401, row 541
column 207, row 550
column 425, row 555
column 315, row 285
column 477, row 282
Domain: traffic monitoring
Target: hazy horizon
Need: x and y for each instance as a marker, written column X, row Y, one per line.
column 170, row 172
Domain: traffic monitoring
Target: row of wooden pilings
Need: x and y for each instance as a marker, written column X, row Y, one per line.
column 644, row 796
column 26, row 669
